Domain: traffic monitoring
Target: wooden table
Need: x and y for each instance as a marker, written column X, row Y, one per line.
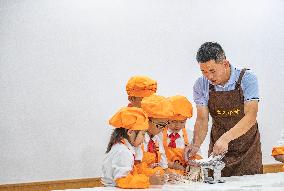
column 259, row 182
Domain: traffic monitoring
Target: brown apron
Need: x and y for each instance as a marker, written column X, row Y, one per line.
column 244, row 156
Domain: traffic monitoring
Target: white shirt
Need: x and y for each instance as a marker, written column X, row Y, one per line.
column 249, row 86
column 117, row 163
column 139, row 153
column 179, row 141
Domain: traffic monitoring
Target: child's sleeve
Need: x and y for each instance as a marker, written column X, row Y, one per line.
column 138, row 153
column 164, row 161
column 122, row 164
column 189, row 135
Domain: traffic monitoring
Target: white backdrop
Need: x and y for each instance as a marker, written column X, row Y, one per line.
column 64, row 65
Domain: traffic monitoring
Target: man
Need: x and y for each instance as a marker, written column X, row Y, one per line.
column 230, row 96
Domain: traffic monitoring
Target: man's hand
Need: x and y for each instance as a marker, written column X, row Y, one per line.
column 221, row 146
column 190, row 151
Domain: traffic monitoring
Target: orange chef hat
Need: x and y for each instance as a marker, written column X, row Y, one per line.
column 141, row 86
column 157, row 106
column 278, row 151
column 182, row 107
column 130, row 118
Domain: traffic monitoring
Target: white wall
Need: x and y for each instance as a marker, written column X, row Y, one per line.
column 64, row 65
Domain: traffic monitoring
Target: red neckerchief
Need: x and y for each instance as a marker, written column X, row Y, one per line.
column 151, row 146
column 173, row 137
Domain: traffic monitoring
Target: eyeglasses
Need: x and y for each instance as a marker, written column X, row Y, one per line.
column 160, row 125
column 177, row 121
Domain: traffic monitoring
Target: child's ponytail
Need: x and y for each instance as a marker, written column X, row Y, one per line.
column 117, row 135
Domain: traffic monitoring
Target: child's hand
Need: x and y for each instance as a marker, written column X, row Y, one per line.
column 156, row 179
column 154, row 165
column 177, row 166
column 190, row 151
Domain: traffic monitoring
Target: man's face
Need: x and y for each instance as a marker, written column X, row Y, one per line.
column 216, row 73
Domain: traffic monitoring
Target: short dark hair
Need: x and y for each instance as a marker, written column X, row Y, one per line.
column 210, row 51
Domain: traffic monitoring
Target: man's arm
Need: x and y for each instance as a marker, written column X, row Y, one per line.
column 200, row 96
column 250, row 110
column 201, row 125
column 200, row 131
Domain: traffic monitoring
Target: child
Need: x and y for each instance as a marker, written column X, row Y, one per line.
column 139, row 87
column 118, row 168
column 278, row 151
column 152, row 153
column 175, row 136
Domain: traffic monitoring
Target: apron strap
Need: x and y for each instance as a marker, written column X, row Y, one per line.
column 238, row 84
